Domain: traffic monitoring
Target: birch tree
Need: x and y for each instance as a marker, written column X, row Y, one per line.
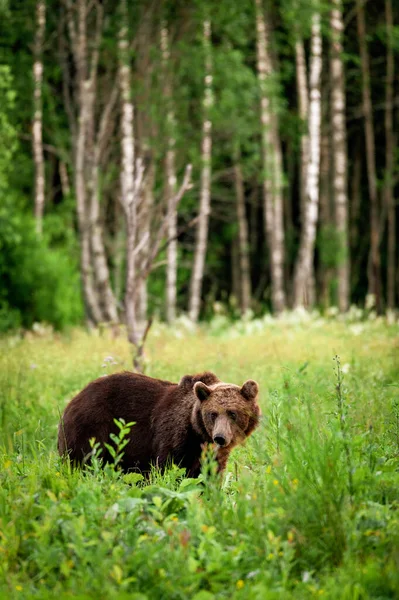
column 37, row 129
column 205, row 191
column 303, row 110
column 389, row 159
column 85, row 25
column 339, row 179
column 243, row 243
column 132, row 186
column 130, row 181
column 272, row 163
column 170, row 180
column 304, row 265
column 374, row 256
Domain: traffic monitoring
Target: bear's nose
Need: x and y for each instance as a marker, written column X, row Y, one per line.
column 219, row 440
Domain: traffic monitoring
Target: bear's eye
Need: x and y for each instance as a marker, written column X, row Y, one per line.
column 232, row 415
column 213, row 416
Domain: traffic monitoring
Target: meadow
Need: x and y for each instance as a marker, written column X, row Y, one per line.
column 309, row 508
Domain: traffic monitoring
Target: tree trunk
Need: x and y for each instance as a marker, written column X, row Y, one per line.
column 303, row 293
column 79, row 41
column 144, row 221
column 128, row 185
column 243, row 243
column 170, row 182
column 374, row 257
column 340, row 175
column 272, row 165
column 355, row 201
column 303, row 109
column 37, row 129
column 325, row 271
column 205, row 199
column 389, row 159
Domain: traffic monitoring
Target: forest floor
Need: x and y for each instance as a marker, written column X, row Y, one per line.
column 308, row 508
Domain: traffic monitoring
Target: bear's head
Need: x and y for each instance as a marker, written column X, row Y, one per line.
column 224, row 413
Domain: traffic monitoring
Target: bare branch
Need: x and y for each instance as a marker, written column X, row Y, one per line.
column 186, row 185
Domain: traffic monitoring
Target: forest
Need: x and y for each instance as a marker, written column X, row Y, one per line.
column 169, row 157
column 204, row 185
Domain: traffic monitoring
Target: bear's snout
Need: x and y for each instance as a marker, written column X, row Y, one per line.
column 220, row 440
column 222, row 434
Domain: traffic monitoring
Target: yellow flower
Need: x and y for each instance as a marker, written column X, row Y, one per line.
column 268, row 469
column 18, row 588
column 240, row 584
column 204, row 528
column 275, row 481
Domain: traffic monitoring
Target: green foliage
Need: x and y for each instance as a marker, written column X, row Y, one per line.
column 283, row 523
column 40, row 282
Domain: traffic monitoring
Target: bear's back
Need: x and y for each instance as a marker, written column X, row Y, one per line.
column 91, row 414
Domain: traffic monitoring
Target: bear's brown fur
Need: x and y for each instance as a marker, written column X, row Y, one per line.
column 172, row 421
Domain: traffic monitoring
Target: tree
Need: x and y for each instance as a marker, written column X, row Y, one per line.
column 389, row 159
column 272, row 163
column 205, row 191
column 170, row 180
column 37, row 128
column 339, row 179
column 243, row 242
column 303, row 295
column 374, row 255
column 88, row 150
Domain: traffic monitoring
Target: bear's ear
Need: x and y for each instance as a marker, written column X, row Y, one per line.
column 202, row 391
column 250, row 389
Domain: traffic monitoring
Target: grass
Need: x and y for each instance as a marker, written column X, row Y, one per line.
column 309, row 508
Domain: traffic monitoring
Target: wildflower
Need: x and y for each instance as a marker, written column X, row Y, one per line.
column 275, row 481
column 268, row 469
column 240, row 584
column 345, row 368
column 18, row 588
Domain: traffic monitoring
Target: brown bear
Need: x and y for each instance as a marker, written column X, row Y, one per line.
column 172, row 421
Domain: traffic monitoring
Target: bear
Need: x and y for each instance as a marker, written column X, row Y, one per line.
column 173, row 421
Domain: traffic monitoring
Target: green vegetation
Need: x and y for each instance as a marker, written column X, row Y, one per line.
column 308, row 508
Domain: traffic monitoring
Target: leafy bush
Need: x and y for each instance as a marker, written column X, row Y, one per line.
column 39, row 283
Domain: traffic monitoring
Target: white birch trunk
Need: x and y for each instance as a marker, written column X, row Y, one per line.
column 144, row 220
column 170, row 177
column 37, row 129
column 303, row 109
column 374, row 257
column 128, row 192
column 205, row 199
column 339, row 180
column 389, row 159
column 244, row 264
column 79, row 40
column 304, row 265
column 272, row 165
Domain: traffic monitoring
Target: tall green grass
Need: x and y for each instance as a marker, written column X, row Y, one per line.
column 309, row 508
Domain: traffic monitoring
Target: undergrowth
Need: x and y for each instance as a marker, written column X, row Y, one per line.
column 308, row 508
